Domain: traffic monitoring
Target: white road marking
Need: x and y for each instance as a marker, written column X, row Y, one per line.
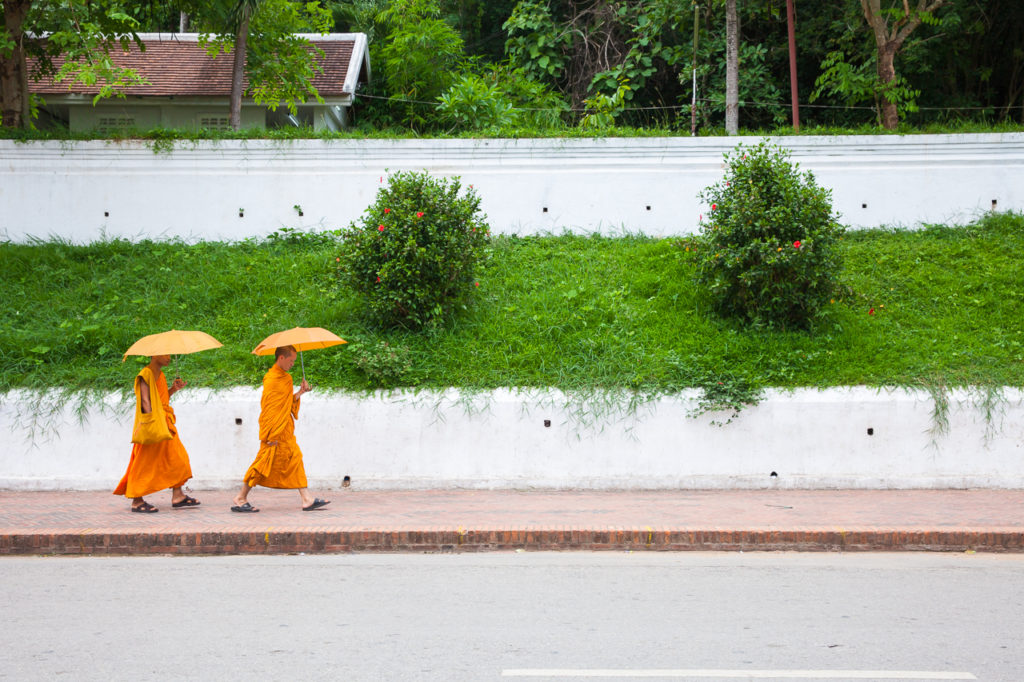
column 745, row 674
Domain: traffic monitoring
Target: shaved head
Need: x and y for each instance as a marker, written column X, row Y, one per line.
column 282, row 351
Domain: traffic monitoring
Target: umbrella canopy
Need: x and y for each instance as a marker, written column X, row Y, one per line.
column 174, row 342
column 303, row 338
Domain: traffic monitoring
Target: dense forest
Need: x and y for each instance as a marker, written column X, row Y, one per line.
column 451, row 65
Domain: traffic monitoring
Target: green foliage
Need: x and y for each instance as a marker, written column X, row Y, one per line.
column 858, row 84
column 280, row 65
column 473, row 103
column 757, row 84
column 80, row 35
column 536, row 44
column 501, row 99
column 602, row 109
column 415, row 253
column 768, row 249
column 384, row 364
column 420, row 55
column 654, row 44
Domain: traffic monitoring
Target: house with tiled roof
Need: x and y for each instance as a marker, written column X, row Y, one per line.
column 189, row 89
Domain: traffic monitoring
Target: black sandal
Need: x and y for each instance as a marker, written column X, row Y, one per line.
column 317, row 504
column 187, row 502
column 145, row 508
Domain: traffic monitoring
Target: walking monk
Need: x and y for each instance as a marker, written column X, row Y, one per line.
column 156, row 465
column 279, row 462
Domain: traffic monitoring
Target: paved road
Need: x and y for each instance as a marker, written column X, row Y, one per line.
column 505, row 615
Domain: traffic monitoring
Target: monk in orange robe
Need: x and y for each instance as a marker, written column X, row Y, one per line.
column 279, row 461
column 157, row 466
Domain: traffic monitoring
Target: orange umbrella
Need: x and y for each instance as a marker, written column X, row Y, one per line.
column 174, row 342
column 303, row 338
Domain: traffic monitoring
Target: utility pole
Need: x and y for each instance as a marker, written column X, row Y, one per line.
column 693, row 99
column 794, row 95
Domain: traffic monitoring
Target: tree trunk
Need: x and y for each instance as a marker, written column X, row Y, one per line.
column 889, row 41
column 182, row 22
column 732, row 69
column 14, row 95
column 886, row 74
column 238, row 71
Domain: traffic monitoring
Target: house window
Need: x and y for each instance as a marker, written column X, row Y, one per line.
column 108, row 124
column 214, row 122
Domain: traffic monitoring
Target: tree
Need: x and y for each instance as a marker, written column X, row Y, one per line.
column 889, row 39
column 79, row 36
column 241, row 14
column 13, row 66
column 732, row 69
column 422, row 54
column 280, row 65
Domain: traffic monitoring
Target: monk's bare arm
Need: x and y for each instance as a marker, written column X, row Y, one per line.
column 178, row 384
column 144, row 396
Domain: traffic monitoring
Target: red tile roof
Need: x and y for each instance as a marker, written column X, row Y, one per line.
column 181, row 67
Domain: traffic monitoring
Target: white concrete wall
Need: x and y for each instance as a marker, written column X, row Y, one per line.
column 79, row 190
column 810, row 438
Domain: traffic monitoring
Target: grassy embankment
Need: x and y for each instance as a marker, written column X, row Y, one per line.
column 582, row 314
column 167, row 139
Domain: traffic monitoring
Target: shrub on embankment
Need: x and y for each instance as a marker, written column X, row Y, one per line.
column 937, row 307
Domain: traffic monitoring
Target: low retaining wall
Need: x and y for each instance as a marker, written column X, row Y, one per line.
column 838, row 438
column 234, row 189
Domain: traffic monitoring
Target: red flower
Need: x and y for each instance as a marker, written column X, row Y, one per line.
column 714, row 206
column 796, row 244
column 871, row 311
column 387, row 210
column 378, row 280
column 419, row 214
column 728, row 184
column 476, row 284
column 337, row 260
column 380, row 228
column 701, row 218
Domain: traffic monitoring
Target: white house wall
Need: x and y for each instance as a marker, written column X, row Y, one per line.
column 80, row 190
column 501, row 439
column 85, row 117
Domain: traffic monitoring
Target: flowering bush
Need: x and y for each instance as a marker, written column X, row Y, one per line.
column 767, row 250
column 414, row 253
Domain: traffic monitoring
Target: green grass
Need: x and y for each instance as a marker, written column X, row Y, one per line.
column 165, row 140
column 582, row 314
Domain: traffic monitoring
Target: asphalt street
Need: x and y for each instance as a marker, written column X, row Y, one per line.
column 540, row 616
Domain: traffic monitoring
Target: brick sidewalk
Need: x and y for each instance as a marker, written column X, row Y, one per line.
column 466, row 520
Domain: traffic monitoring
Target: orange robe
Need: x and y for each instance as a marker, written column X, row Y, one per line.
column 278, row 466
column 159, row 465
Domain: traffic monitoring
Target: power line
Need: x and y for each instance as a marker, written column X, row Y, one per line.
column 677, row 107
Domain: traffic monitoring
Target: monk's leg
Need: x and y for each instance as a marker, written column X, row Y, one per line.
column 180, row 499
column 243, row 494
column 137, row 502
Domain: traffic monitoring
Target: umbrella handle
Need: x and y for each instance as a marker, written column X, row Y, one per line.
column 303, row 364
